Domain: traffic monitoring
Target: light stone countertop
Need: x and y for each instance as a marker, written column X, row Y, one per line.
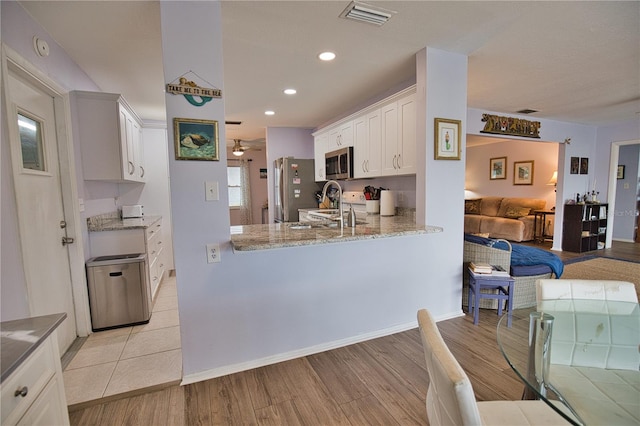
column 278, row 235
column 20, row 338
column 113, row 222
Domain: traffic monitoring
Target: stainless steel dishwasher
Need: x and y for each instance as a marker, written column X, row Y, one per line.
column 119, row 293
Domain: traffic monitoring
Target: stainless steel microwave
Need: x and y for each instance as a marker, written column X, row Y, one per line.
column 339, row 163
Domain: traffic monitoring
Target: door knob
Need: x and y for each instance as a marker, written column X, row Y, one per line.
column 67, row 240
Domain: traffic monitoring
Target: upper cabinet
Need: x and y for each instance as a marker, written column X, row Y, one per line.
column 367, row 152
column 340, row 136
column 110, row 136
column 319, row 149
column 383, row 137
column 399, row 136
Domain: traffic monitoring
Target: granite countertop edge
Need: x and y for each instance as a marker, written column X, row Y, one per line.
column 20, row 338
column 113, row 222
column 246, row 244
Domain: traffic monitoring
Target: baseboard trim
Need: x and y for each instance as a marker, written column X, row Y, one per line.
column 299, row 353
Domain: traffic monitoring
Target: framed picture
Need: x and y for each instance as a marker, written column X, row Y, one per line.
column 196, row 139
column 498, row 168
column 575, row 165
column 620, row 172
column 523, row 173
column 584, row 166
column 263, row 173
column 447, row 139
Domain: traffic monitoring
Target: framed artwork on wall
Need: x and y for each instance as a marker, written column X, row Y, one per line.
column 498, row 168
column 447, row 139
column 575, row 165
column 196, row 139
column 584, row 166
column 523, row 173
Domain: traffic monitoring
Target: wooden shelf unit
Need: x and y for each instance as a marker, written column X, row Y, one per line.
column 584, row 226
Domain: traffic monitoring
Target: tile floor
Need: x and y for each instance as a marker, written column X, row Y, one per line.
column 127, row 359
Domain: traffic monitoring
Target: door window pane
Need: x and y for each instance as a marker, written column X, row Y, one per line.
column 31, row 143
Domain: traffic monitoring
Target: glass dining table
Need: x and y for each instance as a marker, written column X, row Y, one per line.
column 581, row 357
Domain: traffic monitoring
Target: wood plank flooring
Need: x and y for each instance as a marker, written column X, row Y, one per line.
column 378, row 382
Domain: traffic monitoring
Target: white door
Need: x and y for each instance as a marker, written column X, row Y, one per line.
column 36, row 172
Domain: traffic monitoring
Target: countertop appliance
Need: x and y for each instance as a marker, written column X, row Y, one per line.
column 295, row 188
column 136, row 210
column 339, row 163
column 119, row 294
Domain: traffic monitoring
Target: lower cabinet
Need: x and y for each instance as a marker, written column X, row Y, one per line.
column 34, row 393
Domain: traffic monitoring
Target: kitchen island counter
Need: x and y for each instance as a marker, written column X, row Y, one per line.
column 279, row 235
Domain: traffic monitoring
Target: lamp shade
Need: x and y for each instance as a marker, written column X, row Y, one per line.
column 554, row 179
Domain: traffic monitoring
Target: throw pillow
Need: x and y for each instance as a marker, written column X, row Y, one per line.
column 482, row 234
column 472, row 206
column 516, row 212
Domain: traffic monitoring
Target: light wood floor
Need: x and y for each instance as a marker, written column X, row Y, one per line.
column 382, row 381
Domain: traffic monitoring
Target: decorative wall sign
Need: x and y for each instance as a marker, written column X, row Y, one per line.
column 498, row 168
column 620, row 172
column 190, row 90
column 196, row 139
column 523, row 173
column 447, row 139
column 512, row 126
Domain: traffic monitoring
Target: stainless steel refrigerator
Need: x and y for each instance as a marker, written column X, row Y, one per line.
column 295, row 188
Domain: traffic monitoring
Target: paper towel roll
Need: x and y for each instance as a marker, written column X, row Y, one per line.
column 387, row 203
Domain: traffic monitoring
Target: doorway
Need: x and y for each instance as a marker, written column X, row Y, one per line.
column 625, row 204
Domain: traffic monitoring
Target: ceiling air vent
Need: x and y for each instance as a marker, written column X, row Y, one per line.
column 526, row 111
column 366, row 13
column 234, row 123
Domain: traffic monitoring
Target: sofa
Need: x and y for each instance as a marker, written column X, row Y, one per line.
column 510, row 218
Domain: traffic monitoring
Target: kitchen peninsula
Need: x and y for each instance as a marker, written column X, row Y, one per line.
column 262, row 237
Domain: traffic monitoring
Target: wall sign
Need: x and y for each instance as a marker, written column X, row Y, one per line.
column 496, row 124
column 191, row 91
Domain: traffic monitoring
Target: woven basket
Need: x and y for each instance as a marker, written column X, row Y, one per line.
column 524, row 288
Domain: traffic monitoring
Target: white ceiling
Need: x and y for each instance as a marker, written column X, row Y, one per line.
column 575, row 61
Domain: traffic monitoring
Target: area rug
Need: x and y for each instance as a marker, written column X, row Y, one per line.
column 602, row 268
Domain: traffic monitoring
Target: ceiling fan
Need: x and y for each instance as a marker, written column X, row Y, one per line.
column 238, row 149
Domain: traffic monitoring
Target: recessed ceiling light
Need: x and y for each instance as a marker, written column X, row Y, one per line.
column 290, row 91
column 269, row 112
column 327, row 56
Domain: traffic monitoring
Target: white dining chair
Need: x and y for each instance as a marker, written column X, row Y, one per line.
column 450, row 397
column 618, row 291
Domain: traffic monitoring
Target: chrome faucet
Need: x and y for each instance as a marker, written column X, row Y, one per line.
column 324, row 194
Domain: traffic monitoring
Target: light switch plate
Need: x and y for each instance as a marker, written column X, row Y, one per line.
column 213, row 253
column 211, row 191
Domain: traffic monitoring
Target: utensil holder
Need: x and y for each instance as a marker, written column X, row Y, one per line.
column 373, row 206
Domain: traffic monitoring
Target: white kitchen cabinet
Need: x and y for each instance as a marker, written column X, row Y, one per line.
column 40, row 378
column 367, row 135
column 399, row 136
column 149, row 240
column 340, row 136
column 110, row 136
column 319, row 149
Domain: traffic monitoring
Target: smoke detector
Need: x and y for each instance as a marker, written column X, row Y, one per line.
column 363, row 12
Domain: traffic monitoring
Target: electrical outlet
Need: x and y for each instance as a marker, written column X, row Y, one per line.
column 213, row 253
column 211, row 191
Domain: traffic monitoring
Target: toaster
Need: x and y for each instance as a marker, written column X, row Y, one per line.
column 135, row 210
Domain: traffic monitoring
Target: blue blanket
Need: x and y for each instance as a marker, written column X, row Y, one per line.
column 522, row 255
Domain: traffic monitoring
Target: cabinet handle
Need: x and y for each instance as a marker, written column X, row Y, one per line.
column 131, row 168
column 394, row 161
column 23, row 391
column 367, row 161
column 67, row 240
column 399, row 161
column 142, row 174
